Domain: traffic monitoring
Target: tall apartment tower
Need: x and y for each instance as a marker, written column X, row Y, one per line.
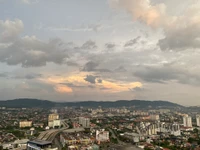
column 187, row 121
column 85, row 122
column 198, row 120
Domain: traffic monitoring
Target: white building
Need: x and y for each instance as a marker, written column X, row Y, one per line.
column 175, row 129
column 102, row 136
column 187, row 121
column 53, row 121
column 85, row 122
column 23, row 124
column 198, row 120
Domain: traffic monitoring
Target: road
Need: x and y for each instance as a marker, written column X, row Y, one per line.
column 114, row 136
column 49, row 135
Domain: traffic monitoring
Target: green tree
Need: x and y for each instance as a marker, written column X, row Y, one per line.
column 195, row 130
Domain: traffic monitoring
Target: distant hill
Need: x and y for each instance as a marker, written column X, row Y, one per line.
column 33, row 103
column 26, row 103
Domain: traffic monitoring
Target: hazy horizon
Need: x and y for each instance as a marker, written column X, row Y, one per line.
column 100, row 50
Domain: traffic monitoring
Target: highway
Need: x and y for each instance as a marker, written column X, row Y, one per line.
column 50, row 135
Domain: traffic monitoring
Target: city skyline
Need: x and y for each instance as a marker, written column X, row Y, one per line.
column 100, row 50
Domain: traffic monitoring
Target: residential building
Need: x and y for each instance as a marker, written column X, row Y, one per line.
column 85, row 122
column 53, row 117
column 187, row 121
column 23, row 124
column 198, row 120
column 102, row 136
column 53, row 121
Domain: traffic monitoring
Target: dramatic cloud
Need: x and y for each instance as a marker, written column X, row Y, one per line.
column 183, row 32
column 142, row 10
column 31, row 52
column 180, row 32
column 147, row 49
column 100, row 80
column 84, row 81
column 90, row 66
column 93, row 67
column 90, row 79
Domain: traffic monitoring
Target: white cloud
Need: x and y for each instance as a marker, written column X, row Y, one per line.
column 180, row 31
column 31, row 52
column 142, row 10
column 9, row 30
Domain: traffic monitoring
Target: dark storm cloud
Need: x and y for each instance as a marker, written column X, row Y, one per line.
column 92, row 66
column 91, row 79
column 100, row 80
column 132, row 42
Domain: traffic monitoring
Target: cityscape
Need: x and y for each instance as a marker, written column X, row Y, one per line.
column 94, row 128
column 99, row 74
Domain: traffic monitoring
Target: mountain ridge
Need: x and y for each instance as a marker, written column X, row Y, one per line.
column 33, row 103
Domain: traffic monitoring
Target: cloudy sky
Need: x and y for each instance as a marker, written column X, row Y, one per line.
column 75, row 50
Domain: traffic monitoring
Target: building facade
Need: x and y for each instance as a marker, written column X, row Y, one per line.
column 198, row 120
column 53, row 121
column 102, row 136
column 23, row 124
column 187, row 121
column 85, row 122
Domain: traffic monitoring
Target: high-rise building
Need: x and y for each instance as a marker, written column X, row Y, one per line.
column 175, row 129
column 198, row 120
column 53, row 117
column 187, row 121
column 53, row 120
column 85, row 122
